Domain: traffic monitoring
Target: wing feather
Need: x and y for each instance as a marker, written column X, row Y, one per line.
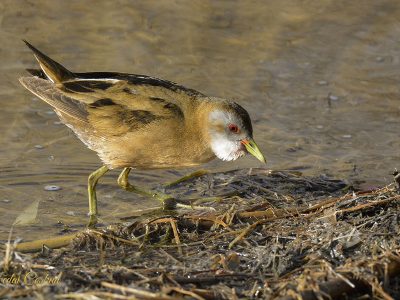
column 48, row 92
column 109, row 107
column 110, row 94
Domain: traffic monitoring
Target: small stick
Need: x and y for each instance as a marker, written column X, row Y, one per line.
column 134, row 243
column 94, row 295
column 245, row 232
column 269, row 213
column 55, row 242
column 367, row 205
column 185, row 292
column 137, row 292
column 176, row 235
column 170, row 256
column 211, row 218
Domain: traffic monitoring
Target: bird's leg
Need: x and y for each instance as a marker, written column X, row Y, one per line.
column 123, row 179
column 192, row 175
column 167, row 201
column 92, row 182
column 124, row 183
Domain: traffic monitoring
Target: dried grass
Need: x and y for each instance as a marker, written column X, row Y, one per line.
column 274, row 235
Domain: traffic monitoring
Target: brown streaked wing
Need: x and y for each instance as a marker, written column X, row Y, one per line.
column 51, row 94
column 117, row 117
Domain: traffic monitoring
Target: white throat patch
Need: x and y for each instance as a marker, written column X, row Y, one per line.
column 226, row 150
column 222, row 147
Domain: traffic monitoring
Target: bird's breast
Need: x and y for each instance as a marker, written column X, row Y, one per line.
column 155, row 149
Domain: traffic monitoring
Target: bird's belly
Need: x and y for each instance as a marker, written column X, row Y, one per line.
column 152, row 161
column 153, row 153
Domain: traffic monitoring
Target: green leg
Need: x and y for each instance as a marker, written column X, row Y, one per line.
column 195, row 174
column 92, row 182
column 167, row 201
column 123, row 179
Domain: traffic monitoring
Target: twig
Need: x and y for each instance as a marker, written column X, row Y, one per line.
column 367, row 205
column 184, row 292
column 94, row 295
column 176, row 235
column 211, row 279
column 244, row 232
column 54, row 242
column 136, row 292
column 170, row 256
column 125, row 241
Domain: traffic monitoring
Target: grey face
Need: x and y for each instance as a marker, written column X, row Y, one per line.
column 231, row 133
column 227, row 133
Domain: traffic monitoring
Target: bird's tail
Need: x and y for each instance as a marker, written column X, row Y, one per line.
column 52, row 69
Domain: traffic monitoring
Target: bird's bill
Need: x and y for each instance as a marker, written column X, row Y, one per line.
column 253, row 149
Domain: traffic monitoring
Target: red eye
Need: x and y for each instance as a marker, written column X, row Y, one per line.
column 233, row 128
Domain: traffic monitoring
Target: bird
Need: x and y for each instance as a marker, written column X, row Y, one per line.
column 140, row 122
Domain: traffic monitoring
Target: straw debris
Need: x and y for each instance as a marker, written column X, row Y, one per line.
column 273, row 235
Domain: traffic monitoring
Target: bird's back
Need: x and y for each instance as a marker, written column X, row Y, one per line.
column 129, row 120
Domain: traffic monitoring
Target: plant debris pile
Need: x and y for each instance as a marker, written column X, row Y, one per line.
column 272, row 234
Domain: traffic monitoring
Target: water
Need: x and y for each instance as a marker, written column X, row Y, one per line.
column 319, row 78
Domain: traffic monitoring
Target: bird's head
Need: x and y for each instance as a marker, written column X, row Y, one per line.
column 231, row 133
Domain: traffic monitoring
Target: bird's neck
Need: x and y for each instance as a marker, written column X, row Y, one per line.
column 197, row 129
column 201, row 121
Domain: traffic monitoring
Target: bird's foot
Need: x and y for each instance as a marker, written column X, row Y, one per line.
column 171, row 203
column 168, row 202
column 93, row 220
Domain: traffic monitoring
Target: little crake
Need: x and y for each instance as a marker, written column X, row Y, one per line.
column 141, row 122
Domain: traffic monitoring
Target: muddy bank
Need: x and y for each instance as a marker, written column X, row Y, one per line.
column 272, row 234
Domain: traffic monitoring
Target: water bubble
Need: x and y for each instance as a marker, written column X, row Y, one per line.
column 52, row 188
column 333, row 97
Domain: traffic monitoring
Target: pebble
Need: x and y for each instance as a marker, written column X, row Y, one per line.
column 379, row 59
column 52, row 188
column 346, row 136
column 333, row 97
column 38, row 146
column 6, row 200
column 320, row 126
column 323, row 82
column 57, row 123
column 70, row 213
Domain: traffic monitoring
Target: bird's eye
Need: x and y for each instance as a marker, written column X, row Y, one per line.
column 233, row 128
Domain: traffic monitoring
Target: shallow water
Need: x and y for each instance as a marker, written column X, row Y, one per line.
column 319, row 78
